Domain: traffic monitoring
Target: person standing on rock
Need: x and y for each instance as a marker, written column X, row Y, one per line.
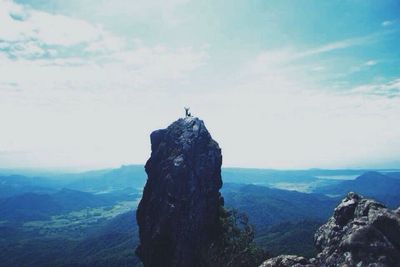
column 187, row 113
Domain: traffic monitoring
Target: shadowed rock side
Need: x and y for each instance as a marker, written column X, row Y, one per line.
column 178, row 215
column 361, row 232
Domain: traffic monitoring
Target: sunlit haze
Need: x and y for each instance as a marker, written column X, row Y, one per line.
column 279, row 84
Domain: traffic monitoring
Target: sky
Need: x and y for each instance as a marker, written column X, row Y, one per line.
column 279, row 84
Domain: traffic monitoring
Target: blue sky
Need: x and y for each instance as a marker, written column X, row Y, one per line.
column 280, row 84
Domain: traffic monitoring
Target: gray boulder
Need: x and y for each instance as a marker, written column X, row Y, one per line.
column 287, row 261
column 361, row 232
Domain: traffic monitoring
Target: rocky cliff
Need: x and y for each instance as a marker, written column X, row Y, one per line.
column 178, row 215
column 361, row 232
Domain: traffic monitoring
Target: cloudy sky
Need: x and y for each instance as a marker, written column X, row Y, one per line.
column 280, row 84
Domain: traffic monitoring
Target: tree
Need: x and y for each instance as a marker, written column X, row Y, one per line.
column 234, row 246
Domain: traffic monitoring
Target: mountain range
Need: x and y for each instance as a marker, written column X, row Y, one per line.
column 384, row 187
column 87, row 219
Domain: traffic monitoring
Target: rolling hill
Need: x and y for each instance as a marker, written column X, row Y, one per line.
column 268, row 206
column 376, row 185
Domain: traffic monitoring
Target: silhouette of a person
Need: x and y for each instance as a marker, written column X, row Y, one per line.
column 187, row 113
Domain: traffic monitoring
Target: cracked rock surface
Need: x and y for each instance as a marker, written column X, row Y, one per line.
column 361, row 232
column 179, row 211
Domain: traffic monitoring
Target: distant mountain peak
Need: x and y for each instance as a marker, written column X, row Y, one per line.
column 371, row 175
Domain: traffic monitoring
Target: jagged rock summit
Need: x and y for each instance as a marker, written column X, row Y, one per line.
column 361, row 232
column 178, row 214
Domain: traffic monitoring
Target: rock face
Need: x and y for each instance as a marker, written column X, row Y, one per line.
column 361, row 232
column 286, row 261
column 178, row 215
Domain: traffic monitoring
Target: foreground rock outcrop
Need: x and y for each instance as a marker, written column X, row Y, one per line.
column 361, row 232
column 287, row 261
column 178, row 214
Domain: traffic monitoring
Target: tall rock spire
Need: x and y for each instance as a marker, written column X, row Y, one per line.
column 178, row 215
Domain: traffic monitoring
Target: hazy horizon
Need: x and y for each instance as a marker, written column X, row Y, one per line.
column 279, row 84
column 71, row 170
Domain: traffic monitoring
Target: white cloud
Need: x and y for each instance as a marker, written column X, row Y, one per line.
column 284, row 56
column 139, row 69
column 90, row 98
column 107, row 43
column 370, row 63
column 389, row 89
column 163, row 11
column 24, row 27
column 342, row 44
column 387, row 23
column 281, row 113
column 53, row 50
column 61, row 30
column 266, row 125
column 63, row 74
column 82, row 113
